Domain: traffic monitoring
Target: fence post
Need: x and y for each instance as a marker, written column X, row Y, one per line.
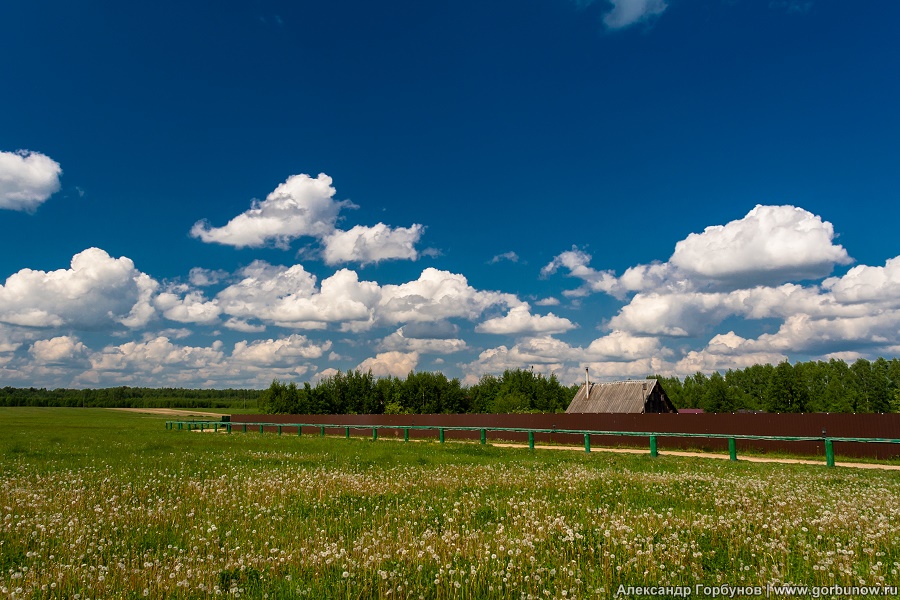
column 829, row 453
column 180, row 424
column 531, row 440
column 653, row 451
column 322, row 431
column 374, row 434
column 299, row 430
column 202, row 426
column 406, row 434
column 228, row 427
column 216, row 427
column 279, row 430
column 732, row 449
column 260, row 428
column 441, row 434
column 587, row 442
column 483, row 436
column 245, row 428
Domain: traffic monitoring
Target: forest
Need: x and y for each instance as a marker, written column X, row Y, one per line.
column 816, row 386
column 355, row 392
column 130, row 397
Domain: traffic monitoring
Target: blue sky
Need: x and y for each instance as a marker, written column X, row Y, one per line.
column 218, row 194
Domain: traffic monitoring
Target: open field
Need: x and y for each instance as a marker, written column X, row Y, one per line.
column 111, row 504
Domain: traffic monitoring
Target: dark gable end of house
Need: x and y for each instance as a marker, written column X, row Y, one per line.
column 632, row 396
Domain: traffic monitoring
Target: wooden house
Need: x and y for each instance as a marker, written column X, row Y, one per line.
column 633, row 396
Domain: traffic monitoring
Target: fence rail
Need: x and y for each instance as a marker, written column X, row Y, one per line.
column 828, row 441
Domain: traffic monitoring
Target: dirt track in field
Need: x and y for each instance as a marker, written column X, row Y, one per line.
column 170, row 412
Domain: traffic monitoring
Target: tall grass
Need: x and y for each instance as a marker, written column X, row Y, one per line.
column 97, row 504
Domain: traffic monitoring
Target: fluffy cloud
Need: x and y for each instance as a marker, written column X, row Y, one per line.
column 622, row 346
column 879, row 285
column 301, row 206
column 305, row 207
column 577, row 263
column 675, row 315
column 192, row 308
column 546, row 355
column 287, row 296
column 399, row 341
column 371, row 244
column 244, row 326
column 280, row 352
column 292, row 297
column 437, row 295
column 97, row 292
column 395, row 364
column 158, row 361
column 726, row 351
column 58, row 350
column 519, row 320
column 628, row 12
column 770, row 245
column 27, row 179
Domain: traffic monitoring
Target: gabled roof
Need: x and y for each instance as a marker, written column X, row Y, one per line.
column 632, row 396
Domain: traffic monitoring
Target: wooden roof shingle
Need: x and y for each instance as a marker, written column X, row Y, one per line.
column 632, row 396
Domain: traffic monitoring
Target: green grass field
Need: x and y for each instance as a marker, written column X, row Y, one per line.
column 104, row 504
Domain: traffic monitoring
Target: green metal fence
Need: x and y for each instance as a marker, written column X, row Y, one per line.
column 652, row 436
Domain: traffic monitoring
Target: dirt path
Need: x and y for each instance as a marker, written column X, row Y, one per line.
column 170, row 412
column 791, row 461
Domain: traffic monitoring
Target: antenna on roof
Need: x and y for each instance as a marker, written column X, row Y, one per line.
column 587, row 384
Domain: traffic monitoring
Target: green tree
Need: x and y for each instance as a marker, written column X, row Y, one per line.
column 717, row 396
column 787, row 392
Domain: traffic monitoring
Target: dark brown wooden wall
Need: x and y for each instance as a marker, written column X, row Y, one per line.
column 807, row 425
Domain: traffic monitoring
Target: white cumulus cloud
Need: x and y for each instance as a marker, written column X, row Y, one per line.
column 279, row 352
column 374, row 244
column 304, row 206
column 519, row 320
column 27, row 179
column 726, row 351
column 96, row 292
column 399, row 341
column 301, row 206
column 59, row 350
column 770, row 245
column 437, row 295
column 395, row 364
column 192, row 308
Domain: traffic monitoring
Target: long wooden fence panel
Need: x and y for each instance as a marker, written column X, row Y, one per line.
column 816, row 425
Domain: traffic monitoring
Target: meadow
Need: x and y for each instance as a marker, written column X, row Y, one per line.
column 103, row 504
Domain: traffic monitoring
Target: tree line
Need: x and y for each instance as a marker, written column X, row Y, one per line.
column 356, row 392
column 130, row 397
column 816, row 386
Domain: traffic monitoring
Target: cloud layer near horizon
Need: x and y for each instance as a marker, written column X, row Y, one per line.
column 771, row 266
